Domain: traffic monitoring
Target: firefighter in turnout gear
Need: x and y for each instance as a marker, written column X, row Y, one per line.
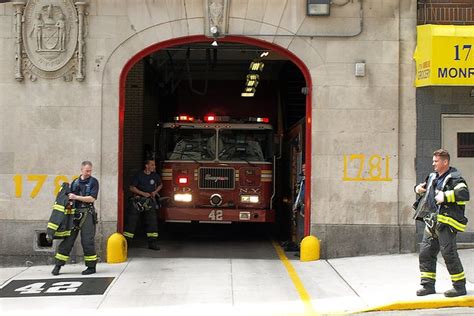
column 450, row 193
column 61, row 220
column 84, row 191
column 145, row 186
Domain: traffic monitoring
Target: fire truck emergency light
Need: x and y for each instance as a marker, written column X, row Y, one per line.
column 184, row 118
column 183, row 180
column 209, row 118
column 259, row 119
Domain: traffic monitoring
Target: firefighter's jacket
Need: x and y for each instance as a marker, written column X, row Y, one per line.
column 61, row 221
column 456, row 194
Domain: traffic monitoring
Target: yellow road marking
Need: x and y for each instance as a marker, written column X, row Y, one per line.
column 304, row 295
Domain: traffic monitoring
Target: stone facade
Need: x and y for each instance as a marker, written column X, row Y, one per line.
column 48, row 126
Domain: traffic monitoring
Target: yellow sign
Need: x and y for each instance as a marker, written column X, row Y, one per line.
column 444, row 55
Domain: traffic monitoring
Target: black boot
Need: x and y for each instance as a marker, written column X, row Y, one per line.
column 456, row 291
column 89, row 270
column 56, row 270
column 426, row 290
column 153, row 244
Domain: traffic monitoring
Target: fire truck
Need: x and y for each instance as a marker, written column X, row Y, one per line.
column 217, row 170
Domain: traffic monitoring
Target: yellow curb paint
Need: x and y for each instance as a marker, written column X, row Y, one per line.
column 309, row 309
column 465, row 301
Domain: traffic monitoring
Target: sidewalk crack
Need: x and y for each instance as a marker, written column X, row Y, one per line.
column 12, row 277
column 340, row 275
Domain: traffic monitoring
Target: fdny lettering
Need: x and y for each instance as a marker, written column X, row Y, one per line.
column 456, row 72
column 210, row 177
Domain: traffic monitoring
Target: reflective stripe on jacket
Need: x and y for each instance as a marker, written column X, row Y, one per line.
column 456, row 194
column 61, row 220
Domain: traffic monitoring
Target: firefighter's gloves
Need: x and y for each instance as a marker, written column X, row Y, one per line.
column 439, row 197
column 49, row 239
column 420, row 188
column 147, row 194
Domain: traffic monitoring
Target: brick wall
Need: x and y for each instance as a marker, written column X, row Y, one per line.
column 133, row 123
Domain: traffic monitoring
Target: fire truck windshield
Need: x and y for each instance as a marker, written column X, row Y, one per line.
column 190, row 144
column 222, row 144
column 244, row 145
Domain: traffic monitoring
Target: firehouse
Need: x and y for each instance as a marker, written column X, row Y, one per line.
column 235, row 100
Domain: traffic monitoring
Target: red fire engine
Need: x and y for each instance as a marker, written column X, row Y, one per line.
column 217, row 170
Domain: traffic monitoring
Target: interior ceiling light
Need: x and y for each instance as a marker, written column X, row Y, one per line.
column 247, row 94
column 256, row 66
column 253, row 77
column 251, row 83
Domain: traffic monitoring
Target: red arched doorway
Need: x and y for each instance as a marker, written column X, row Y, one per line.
column 235, row 39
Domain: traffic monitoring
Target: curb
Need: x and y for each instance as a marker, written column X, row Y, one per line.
column 465, row 301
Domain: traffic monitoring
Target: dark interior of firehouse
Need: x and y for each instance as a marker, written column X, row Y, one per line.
column 232, row 81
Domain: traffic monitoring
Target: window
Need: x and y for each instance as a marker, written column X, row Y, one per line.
column 465, row 145
column 245, row 145
column 190, row 144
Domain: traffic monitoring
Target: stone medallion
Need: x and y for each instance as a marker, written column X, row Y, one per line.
column 50, row 34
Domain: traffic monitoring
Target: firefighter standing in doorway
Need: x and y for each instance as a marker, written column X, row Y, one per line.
column 84, row 191
column 145, row 186
column 450, row 192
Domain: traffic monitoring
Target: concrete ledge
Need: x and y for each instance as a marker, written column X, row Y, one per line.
column 462, row 301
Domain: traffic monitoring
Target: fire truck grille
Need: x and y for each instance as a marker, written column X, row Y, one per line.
column 216, row 178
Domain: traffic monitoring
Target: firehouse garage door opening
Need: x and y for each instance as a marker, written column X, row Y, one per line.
column 226, row 126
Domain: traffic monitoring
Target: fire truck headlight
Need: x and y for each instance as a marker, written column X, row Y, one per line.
column 249, row 199
column 183, row 197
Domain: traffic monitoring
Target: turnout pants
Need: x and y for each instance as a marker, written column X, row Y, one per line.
column 87, row 240
column 149, row 219
column 443, row 239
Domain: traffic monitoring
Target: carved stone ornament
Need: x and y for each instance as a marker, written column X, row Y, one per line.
column 50, row 39
column 216, row 16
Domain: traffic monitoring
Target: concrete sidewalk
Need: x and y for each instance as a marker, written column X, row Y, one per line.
column 379, row 283
column 264, row 285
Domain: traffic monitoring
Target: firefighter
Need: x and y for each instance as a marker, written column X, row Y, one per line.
column 442, row 225
column 145, row 186
column 84, row 191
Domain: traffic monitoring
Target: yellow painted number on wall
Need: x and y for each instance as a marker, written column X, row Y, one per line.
column 40, row 179
column 355, row 168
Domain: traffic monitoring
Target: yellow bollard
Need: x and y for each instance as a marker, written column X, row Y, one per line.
column 309, row 249
column 116, row 248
